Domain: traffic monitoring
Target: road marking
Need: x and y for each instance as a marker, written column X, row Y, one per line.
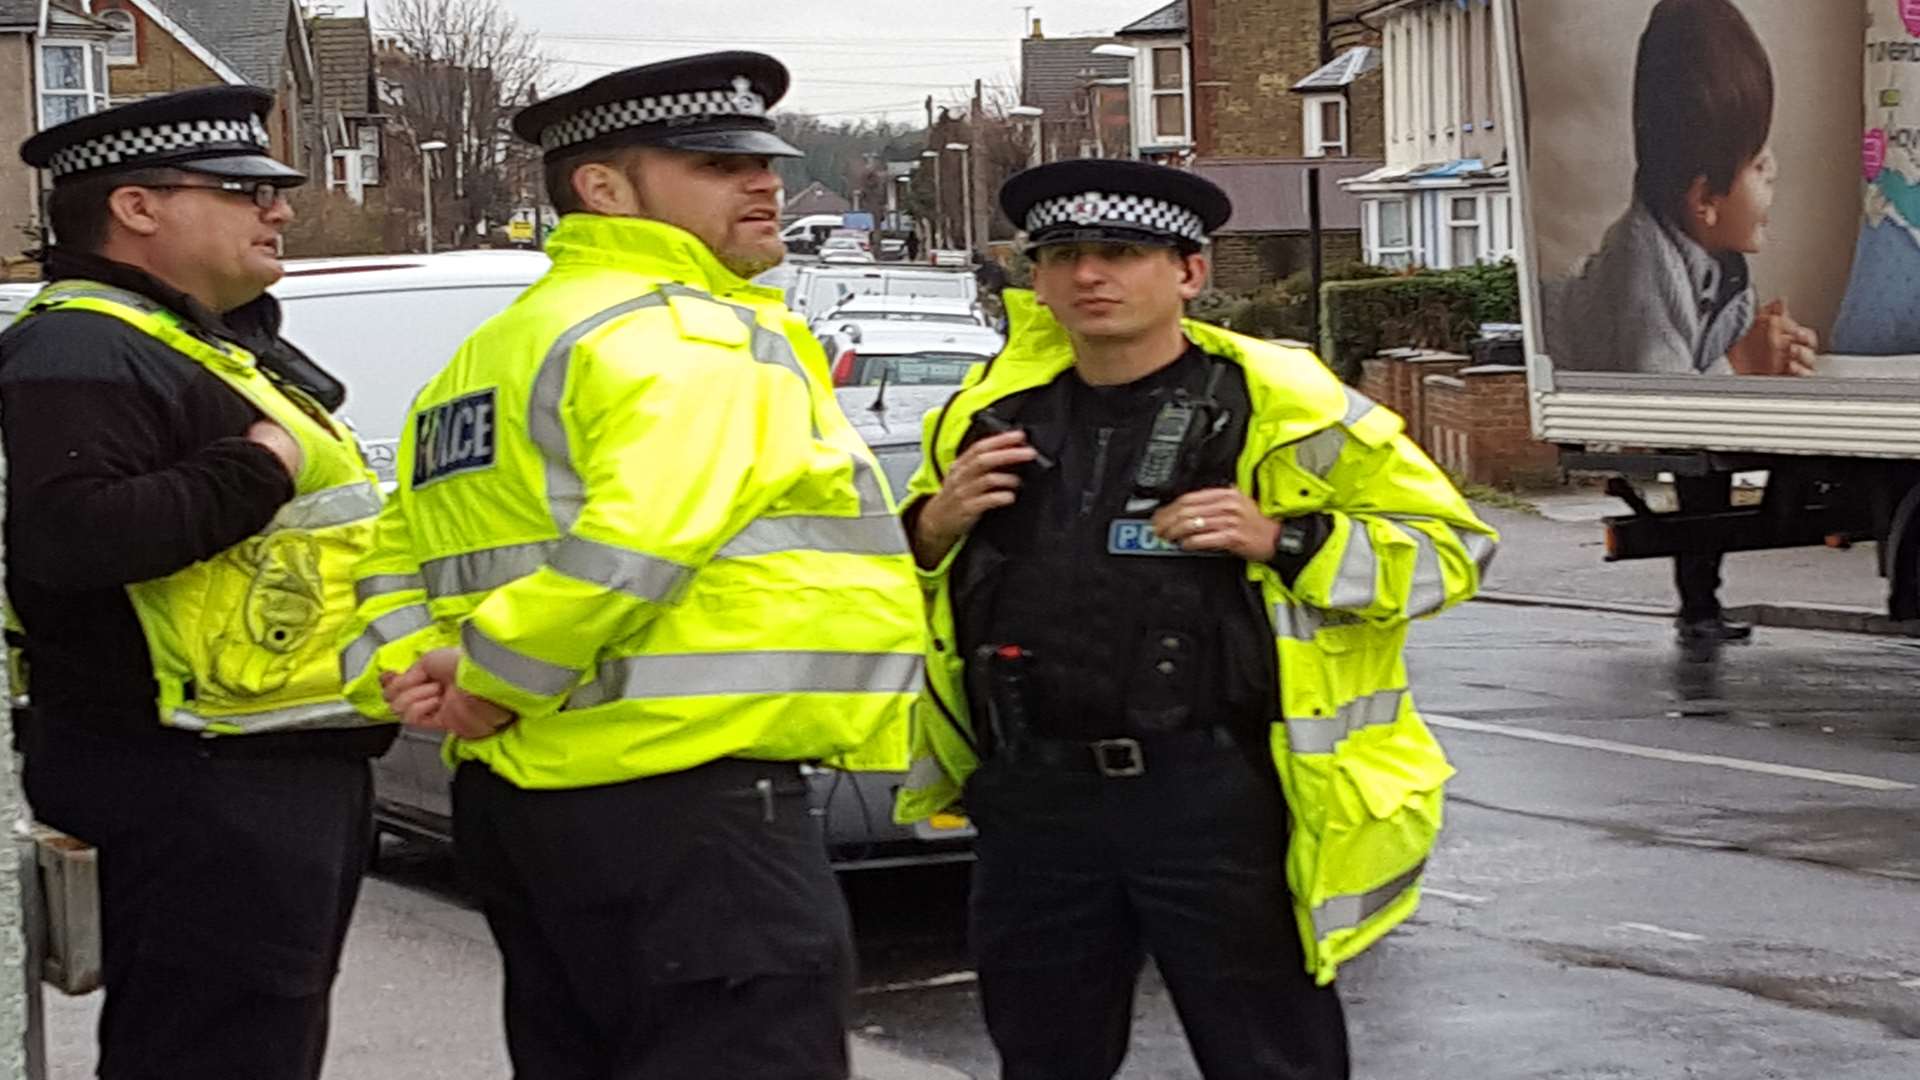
column 955, row 978
column 1649, row 928
column 1454, row 897
column 1853, row 780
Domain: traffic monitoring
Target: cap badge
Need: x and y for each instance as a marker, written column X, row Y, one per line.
column 744, row 100
column 1084, row 212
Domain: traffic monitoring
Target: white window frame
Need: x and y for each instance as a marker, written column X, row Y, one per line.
column 1499, row 226
column 368, row 152
column 93, row 76
column 131, row 35
column 1377, row 253
column 1315, row 140
column 1454, row 225
column 1154, row 94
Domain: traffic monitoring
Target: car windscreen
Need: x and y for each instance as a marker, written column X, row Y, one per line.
column 919, row 369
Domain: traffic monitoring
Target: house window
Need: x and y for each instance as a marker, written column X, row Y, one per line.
column 369, row 137
column 1391, row 227
column 1325, row 125
column 73, row 81
column 337, row 178
column 123, row 48
column 1463, row 229
column 1169, row 93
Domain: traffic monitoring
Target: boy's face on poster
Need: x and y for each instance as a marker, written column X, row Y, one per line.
column 1736, row 220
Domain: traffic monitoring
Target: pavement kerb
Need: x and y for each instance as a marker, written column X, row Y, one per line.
column 1832, row 617
column 874, row 1062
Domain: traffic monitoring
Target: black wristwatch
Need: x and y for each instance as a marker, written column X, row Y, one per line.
column 1299, row 541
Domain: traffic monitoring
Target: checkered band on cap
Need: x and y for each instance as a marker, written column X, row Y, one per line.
column 687, row 107
column 1094, row 208
column 158, row 140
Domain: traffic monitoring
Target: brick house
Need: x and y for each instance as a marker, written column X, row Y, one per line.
column 348, row 105
column 161, row 46
column 50, row 71
column 1442, row 198
column 1266, row 109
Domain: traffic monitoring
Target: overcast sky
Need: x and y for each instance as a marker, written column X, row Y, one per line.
column 850, row 58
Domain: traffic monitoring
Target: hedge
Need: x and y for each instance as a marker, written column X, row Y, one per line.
column 1431, row 309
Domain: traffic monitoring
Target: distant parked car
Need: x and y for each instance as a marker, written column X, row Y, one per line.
column 820, row 289
column 844, row 249
column 909, row 354
column 902, row 309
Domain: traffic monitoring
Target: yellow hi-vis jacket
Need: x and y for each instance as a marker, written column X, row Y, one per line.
column 633, row 501
column 1363, row 777
column 251, row 631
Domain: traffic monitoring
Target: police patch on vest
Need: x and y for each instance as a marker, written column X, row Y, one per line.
column 1135, row 536
column 453, row 437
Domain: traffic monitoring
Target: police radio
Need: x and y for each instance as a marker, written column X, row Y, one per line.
column 1183, row 423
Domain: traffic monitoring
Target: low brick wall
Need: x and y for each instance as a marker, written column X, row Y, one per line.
column 1397, row 379
column 1475, row 423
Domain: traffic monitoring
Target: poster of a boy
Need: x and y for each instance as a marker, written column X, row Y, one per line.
column 1668, row 291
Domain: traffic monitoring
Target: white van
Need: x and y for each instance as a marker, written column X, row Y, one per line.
column 804, row 236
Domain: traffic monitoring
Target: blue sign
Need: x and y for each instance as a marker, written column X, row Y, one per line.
column 1135, row 536
column 454, row 437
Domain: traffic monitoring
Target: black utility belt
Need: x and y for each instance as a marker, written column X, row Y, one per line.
column 1122, row 756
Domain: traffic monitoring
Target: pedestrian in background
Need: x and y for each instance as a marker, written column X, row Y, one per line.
column 1174, row 571
column 643, row 570
column 182, row 523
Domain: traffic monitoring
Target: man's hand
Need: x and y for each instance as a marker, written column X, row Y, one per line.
column 427, row 696
column 1218, row 519
column 275, row 438
column 1775, row 345
column 981, row 479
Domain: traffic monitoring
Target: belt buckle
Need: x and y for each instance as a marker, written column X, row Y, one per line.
column 1119, row 757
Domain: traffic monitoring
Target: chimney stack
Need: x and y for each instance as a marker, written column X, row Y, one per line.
column 1037, row 35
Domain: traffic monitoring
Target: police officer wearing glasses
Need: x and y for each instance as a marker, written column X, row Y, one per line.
column 183, row 516
column 1172, row 571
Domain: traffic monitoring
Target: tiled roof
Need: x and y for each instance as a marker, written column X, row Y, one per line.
column 1054, row 70
column 1171, row 19
column 343, row 59
column 1341, row 71
column 250, row 35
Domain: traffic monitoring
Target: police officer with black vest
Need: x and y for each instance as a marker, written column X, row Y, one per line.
column 183, row 517
column 1138, row 528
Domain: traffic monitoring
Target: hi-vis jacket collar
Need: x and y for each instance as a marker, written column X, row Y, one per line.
column 653, row 248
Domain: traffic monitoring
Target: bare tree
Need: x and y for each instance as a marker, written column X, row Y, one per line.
column 456, row 71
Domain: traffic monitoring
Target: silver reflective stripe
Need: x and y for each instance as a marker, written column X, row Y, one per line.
column 54, row 294
column 1349, row 912
column 1320, row 734
column 925, row 772
column 390, row 627
column 517, row 669
column 1480, row 547
column 642, row 678
column 1428, row 593
column 1319, row 452
column 325, row 509
column 327, row 714
column 1296, row 621
column 881, row 535
column 383, row 584
column 630, row 572
column 1356, row 585
column 566, row 492
column 1358, row 406
column 484, row 570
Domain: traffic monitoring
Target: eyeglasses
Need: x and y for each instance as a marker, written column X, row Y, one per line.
column 264, row 195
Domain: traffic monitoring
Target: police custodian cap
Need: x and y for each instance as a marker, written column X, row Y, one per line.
column 714, row 102
column 218, row 130
column 1111, row 201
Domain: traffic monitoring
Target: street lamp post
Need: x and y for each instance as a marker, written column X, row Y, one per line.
column 939, row 208
column 1035, row 155
column 966, row 184
column 427, row 148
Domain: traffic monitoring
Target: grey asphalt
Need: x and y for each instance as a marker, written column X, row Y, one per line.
column 1652, row 869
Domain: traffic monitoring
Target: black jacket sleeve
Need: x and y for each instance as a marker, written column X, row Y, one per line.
column 125, row 460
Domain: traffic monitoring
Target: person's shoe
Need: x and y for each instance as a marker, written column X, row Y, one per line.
column 1717, row 630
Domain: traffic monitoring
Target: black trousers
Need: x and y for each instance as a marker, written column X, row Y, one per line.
column 680, row 927
column 1080, row 876
column 1697, row 577
column 227, row 883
